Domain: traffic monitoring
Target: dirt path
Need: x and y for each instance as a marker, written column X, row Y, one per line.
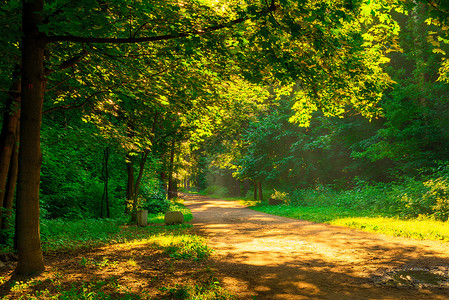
column 260, row 256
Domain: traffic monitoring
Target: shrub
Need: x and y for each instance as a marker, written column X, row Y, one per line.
column 153, row 198
column 280, row 197
column 437, row 198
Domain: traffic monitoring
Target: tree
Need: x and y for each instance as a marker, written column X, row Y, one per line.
column 286, row 39
column 414, row 136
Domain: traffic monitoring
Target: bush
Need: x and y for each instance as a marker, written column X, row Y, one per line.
column 410, row 198
column 437, row 198
column 280, row 197
column 153, row 198
column 157, row 205
column 155, row 202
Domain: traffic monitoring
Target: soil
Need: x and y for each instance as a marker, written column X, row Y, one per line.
column 261, row 256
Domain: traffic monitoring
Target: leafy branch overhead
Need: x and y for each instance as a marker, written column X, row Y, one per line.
column 134, row 39
column 330, row 50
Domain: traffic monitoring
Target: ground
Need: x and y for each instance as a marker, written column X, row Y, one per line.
column 270, row 257
column 257, row 256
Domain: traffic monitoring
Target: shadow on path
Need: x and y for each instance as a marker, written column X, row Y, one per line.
column 273, row 257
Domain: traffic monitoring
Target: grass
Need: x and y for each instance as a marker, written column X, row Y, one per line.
column 420, row 228
column 64, row 235
column 314, row 214
column 72, row 235
column 108, row 259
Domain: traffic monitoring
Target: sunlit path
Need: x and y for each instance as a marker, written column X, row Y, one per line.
column 272, row 257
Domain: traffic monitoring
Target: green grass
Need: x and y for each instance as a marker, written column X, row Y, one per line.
column 72, row 235
column 421, row 228
column 417, row 229
column 314, row 214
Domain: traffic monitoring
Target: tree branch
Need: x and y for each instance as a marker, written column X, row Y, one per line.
column 68, row 63
column 80, row 39
column 436, row 7
column 67, row 107
column 61, row 82
column 138, row 29
column 71, row 62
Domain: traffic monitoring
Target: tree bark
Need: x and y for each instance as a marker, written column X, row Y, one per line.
column 163, row 177
column 143, row 160
column 11, row 183
column 30, row 258
column 259, row 185
column 130, row 186
column 8, row 136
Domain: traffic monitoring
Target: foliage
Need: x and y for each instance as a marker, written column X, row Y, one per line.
column 154, row 199
column 96, row 289
column 408, row 136
column 72, row 178
column 437, row 198
column 216, row 190
column 209, row 290
column 186, row 247
column 413, row 135
column 60, row 234
column 409, row 199
column 281, row 197
column 248, row 68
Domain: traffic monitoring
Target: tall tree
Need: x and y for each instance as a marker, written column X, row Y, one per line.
column 33, row 81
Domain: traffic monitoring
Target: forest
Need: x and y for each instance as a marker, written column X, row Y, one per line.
column 112, row 106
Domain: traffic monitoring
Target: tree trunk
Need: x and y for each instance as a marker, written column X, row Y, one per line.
column 11, row 183
column 259, row 185
column 163, row 177
column 143, row 160
column 30, row 259
column 105, row 196
column 132, row 190
column 8, row 136
column 130, row 187
column 172, row 189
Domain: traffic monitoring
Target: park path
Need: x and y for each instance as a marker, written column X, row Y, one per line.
column 261, row 256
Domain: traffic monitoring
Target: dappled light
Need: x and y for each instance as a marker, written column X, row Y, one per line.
column 281, row 258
